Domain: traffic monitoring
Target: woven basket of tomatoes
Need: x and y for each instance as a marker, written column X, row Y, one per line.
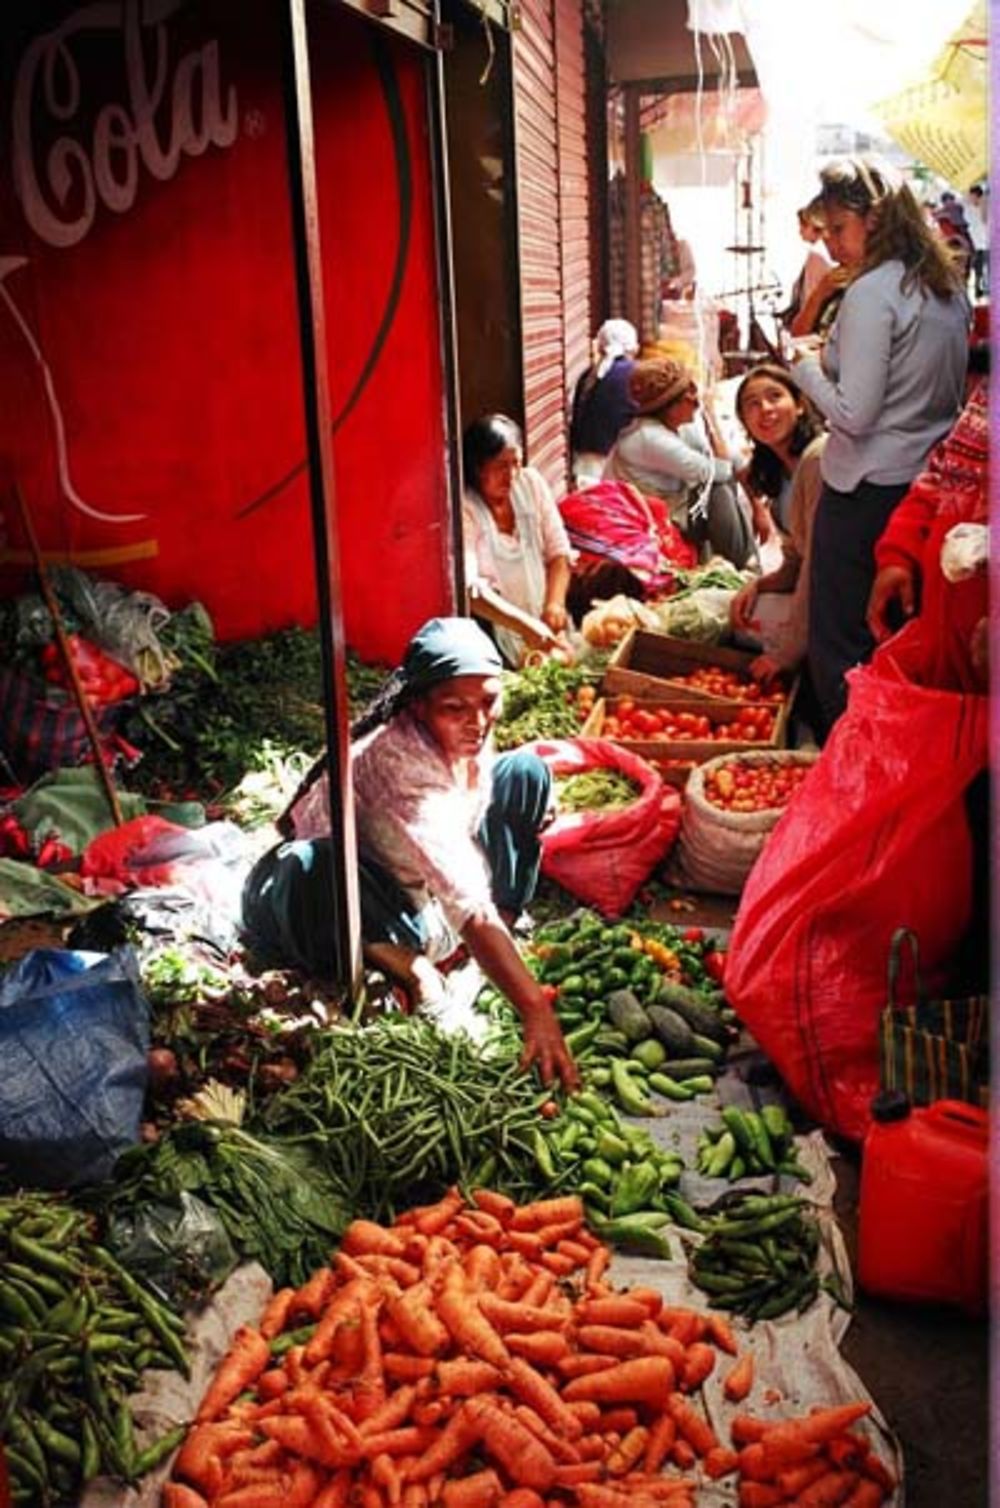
column 731, row 806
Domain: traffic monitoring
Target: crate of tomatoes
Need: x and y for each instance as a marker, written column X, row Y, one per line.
column 649, row 664
column 731, row 806
column 677, row 736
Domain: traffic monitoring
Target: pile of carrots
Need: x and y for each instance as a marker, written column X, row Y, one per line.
column 474, row 1355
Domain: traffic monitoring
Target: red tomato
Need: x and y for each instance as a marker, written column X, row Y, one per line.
column 715, row 965
column 693, row 935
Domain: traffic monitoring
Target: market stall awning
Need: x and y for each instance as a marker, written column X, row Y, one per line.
column 942, row 118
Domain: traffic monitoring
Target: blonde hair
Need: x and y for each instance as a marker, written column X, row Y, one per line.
column 897, row 227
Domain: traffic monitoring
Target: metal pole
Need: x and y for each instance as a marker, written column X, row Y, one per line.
column 446, row 293
column 304, row 204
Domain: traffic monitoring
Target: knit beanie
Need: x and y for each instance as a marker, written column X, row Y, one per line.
column 654, row 384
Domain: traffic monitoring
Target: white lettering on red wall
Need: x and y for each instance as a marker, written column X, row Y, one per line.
column 164, row 116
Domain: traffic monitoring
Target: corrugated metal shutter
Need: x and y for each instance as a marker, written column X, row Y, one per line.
column 550, row 158
column 573, row 187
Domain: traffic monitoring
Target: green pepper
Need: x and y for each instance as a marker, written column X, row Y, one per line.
column 670, row 1088
column 612, row 1148
column 596, row 1170
column 632, row 1097
column 630, row 1233
column 598, row 1107
column 635, row 1188
column 582, row 1037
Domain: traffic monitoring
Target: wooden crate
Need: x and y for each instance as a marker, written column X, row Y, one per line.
column 644, row 661
column 697, row 750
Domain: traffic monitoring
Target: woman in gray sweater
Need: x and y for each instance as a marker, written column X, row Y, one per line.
column 890, row 382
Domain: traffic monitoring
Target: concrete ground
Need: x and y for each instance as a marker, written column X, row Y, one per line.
column 928, row 1368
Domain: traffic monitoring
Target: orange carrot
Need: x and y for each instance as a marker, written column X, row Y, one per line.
column 530, row 1386
column 418, row 1325
column 683, row 1454
column 797, row 1478
column 385, row 1475
column 315, row 1293
column 745, row 1429
column 337, row 1492
column 542, row 1347
column 685, row 1325
column 434, row 1410
column 369, row 1385
column 696, row 1430
column 515, row 1449
column 539, row 1290
column 176, row 1495
column 448, row 1446
column 505, row 1315
column 294, row 1491
column 647, row 1379
column 790, row 1441
column 867, row 1494
column 759, row 1495
column 719, row 1462
column 589, row 1414
column 407, row 1439
column 467, row 1322
column 431, row 1219
column 754, row 1464
column 480, row 1490
column 739, row 1379
column 574, row 1472
column 596, row 1267
column 342, row 1307
column 581, row 1365
column 527, row 1243
column 393, row 1411
column 464, row 1377
column 272, row 1321
column 521, row 1497
column 829, row 1491
column 655, row 1343
column 879, row 1472
column 482, row 1267
column 414, row 1495
column 619, row 1309
column 659, row 1443
column 629, row 1452
column 719, row 1330
column 558, row 1263
column 561, row 1450
column 575, row 1249
column 497, row 1205
column 206, row 1446
column 555, row 1231
column 618, row 1421
column 609, row 1340
column 698, row 1364
column 246, row 1358
column 564, row 1209
column 403, row 1368
column 477, row 1225
column 272, row 1384
column 383, row 1267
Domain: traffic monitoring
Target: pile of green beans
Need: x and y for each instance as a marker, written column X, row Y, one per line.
column 399, row 1111
column 76, row 1331
column 758, row 1256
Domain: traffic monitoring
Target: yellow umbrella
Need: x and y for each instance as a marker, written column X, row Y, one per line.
column 942, row 118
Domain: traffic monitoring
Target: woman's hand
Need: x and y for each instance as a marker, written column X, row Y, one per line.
column 741, row 608
column 545, row 1045
column 893, row 584
column 765, row 670
column 554, row 614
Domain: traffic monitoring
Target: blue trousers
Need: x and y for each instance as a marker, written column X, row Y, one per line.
column 287, row 895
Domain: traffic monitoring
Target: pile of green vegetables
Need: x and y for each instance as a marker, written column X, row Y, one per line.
column 757, row 1256
column 76, row 1331
column 594, row 790
column 750, row 1142
column 539, row 702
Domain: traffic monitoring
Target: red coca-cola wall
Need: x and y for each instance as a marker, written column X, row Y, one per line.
column 150, row 379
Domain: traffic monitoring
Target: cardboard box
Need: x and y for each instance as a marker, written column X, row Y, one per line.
column 695, row 750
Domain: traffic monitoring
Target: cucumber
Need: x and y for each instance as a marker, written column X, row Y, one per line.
column 690, row 1068
column 628, row 1016
column 708, row 1047
column 672, row 1030
column 702, row 1017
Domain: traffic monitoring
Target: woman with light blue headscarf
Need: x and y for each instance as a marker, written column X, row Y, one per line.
column 448, row 845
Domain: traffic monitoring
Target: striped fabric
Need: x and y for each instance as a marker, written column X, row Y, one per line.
column 41, row 728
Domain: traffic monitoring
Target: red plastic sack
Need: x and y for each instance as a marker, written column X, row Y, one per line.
column 876, row 839
column 603, row 857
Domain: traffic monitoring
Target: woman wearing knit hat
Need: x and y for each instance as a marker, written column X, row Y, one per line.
column 666, row 453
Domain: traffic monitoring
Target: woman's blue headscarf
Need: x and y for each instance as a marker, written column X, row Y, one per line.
column 442, row 649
